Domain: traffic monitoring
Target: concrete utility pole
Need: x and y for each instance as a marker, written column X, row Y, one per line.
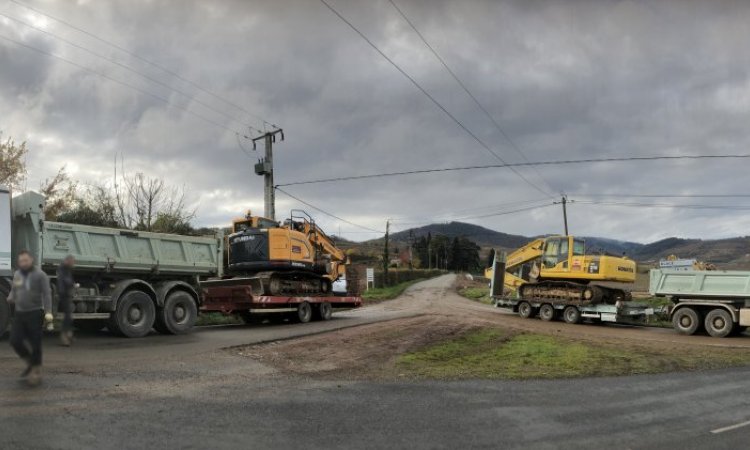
column 564, row 202
column 386, row 255
column 265, row 167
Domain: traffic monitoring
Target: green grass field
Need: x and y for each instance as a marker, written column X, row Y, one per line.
column 492, row 353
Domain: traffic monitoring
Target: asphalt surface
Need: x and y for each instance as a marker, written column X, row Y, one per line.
column 186, row 392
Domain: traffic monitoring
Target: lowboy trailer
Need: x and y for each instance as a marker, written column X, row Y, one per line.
column 239, row 298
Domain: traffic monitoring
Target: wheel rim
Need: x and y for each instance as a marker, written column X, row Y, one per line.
column 135, row 315
column 179, row 313
column 686, row 321
column 719, row 323
column 525, row 309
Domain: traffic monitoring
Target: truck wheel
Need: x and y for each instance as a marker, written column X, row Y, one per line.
column 178, row 314
column 304, row 312
column 571, row 314
column 686, row 321
column 324, row 311
column 525, row 310
column 135, row 314
column 547, row 312
column 4, row 313
column 719, row 323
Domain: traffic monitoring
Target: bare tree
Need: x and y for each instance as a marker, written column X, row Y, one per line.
column 149, row 204
column 12, row 163
column 60, row 192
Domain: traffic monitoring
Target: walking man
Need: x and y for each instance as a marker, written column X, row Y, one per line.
column 65, row 286
column 31, row 295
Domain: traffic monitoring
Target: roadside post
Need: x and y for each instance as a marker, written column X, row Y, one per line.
column 370, row 277
column 498, row 275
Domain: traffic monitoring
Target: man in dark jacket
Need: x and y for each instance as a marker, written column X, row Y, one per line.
column 65, row 286
column 32, row 297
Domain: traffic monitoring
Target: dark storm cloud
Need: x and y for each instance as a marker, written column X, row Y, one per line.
column 565, row 79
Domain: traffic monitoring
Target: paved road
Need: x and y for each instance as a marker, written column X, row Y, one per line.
column 184, row 392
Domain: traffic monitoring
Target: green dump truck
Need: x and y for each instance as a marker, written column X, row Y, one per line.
column 128, row 281
column 715, row 300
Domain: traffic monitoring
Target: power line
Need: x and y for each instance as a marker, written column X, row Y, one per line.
column 327, row 213
column 663, row 195
column 437, row 103
column 504, row 213
column 132, row 70
column 123, row 83
column 665, row 205
column 523, row 164
column 466, row 90
column 149, row 62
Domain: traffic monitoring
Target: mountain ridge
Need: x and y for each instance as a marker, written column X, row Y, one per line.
column 732, row 251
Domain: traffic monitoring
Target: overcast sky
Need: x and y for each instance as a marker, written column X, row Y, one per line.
column 564, row 80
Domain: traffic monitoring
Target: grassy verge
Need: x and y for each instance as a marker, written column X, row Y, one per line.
column 478, row 293
column 498, row 354
column 387, row 293
column 216, row 318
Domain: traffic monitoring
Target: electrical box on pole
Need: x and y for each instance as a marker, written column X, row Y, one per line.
column 264, row 167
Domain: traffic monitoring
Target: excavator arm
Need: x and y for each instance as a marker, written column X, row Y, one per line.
column 328, row 251
column 515, row 261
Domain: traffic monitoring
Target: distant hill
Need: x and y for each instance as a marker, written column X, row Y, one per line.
column 733, row 252
column 484, row 237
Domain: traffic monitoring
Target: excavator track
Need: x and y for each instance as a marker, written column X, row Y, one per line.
column 573, row 292
column 291, row 283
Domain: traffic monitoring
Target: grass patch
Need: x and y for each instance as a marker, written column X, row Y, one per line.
column 492, row 353
column 478, row 293
column 216, row 318
column 387, row 293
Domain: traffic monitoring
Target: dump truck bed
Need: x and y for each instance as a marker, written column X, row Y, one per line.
column 708, row 284
column 96, row 249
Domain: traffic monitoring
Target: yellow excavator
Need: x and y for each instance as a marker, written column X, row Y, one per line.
column 291, row 258
column 557, row 267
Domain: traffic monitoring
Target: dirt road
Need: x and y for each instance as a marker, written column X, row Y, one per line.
column 200, row 391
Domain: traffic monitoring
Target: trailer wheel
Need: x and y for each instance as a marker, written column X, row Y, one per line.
column 134, row 316
column 324, row 311
column 4, row 312
column 719, row 323
column 686, row 321
column 304, row 312
column 571, row 314
column 547, row 312
column 178, row 314
column 525, row 310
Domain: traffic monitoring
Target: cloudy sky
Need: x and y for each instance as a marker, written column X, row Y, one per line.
column 564, row 80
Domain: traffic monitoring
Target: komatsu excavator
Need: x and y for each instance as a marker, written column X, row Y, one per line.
column 291, row 258
column 557, row 267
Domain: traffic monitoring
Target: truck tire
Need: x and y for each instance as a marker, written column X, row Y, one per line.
column 571, row 314
column 4, row 313
column 178, row 315
column 686, row 321
column 324, row 311
column 719, row 323
column 547, row 312
column 525, row 310
column 134, row 316
column 304, row 312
